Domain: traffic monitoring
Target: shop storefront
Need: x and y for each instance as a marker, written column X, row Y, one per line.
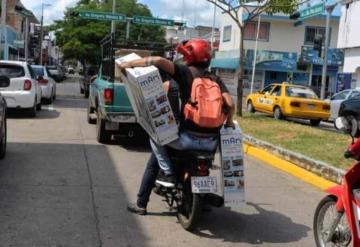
column 278, row 67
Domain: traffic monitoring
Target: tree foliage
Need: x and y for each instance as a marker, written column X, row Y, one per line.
column 241, row 12
column 80, row 38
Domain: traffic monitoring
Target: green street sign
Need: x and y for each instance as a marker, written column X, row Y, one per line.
column 312, row 11
column 102, row 16
column 152, row 21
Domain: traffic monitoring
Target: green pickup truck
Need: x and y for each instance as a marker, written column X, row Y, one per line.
column 109, row 106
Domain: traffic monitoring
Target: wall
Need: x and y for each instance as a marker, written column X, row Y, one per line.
column 349, row 35
column 283, row 35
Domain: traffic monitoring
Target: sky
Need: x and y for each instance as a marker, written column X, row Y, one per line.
column 195, row 12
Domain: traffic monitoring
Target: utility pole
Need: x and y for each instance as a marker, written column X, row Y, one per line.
column 3, row 25
column 213, row 29
column 26, row 41
column 255, row 55
column 42, row 31
column 113, row 24
column 329, row 10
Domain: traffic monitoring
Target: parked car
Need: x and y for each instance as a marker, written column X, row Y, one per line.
column 287, row 100
column 47, row 84
column 71, row 70
column 56, row 73
column 24, row 91
column 4, row 82
column 336, row 100
column 89, row 72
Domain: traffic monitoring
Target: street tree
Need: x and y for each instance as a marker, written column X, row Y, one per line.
column 242, row 13
column 80, row 38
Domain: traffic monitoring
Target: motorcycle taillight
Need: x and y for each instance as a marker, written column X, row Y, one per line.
column 202, row 168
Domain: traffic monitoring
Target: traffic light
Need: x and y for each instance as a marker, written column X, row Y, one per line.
column 318, row 41
column 295, row 15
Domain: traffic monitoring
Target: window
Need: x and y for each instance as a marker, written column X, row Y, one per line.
column 268, row 89
column 251, row 30
column 12, row 71
column 227, row 34
column 39, row 71
column 340, row 96
column 354, row 94
column 312, row 32
column 300, row 92
column 32, row 74
column 276, row 91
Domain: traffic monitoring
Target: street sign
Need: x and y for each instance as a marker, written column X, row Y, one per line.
column 102, row 16
column 152, row 21
column 19, row 43
column 312, row 11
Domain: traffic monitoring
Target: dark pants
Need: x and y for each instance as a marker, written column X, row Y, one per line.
column 148, row 181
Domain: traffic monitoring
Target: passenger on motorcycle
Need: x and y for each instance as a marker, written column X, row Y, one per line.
column 197, row 57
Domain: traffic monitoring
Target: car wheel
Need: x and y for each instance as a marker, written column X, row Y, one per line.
column 250, row 107
column 32, row 111
column 54, row 96
column 86, row 94
column 38, row 107
column 102, row 135
column 81, row 91
column 278, row 113
column 89, row 111
column 3, row 139
column 315, row 122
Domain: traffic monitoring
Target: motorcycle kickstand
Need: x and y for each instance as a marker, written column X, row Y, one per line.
column 333, row 226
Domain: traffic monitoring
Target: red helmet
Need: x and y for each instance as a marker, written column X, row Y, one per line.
column 195, row 51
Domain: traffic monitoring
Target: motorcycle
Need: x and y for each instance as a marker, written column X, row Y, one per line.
column 337, row 216
column 194, row 187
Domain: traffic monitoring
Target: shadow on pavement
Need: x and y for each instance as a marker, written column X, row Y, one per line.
column 64, row 195
column 259, row 228
column 70, row 102
column 22, row 114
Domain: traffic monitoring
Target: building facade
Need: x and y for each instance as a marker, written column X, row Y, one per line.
column 349, row 40
column 13, row 33
column 285, row 52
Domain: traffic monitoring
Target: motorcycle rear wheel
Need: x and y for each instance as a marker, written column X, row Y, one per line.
column 324, row 215
column 189, row 211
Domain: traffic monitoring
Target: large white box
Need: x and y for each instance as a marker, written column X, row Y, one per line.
column 149, row 101
column 232, row 163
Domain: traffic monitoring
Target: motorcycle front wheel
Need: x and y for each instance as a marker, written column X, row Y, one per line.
column 324, row 218
column 189, row 210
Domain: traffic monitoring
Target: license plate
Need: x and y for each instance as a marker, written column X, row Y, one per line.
column 124, row 119
column 203, row 184
column 311, row 107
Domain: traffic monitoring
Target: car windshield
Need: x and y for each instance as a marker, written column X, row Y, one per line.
column 52, row 68
column 12, row 71
column 300, row 92
column 39, row 71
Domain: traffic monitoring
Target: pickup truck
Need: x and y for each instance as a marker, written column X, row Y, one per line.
column 108, row 99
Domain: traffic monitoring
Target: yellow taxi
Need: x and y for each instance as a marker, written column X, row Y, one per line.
column 288, row 100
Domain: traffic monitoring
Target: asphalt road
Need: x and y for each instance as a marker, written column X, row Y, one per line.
column 59, row 187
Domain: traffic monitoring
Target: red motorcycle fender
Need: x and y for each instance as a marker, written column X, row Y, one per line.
column 337, row 192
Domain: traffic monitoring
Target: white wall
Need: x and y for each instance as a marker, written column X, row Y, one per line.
column 349, row 32
column 283, row 35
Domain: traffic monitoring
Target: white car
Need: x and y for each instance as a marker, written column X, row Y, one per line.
column 47, row 84
column 338, row 98
column 24, row 91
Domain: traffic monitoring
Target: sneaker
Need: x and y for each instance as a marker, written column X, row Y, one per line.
column 166, row 180
column 134, row 208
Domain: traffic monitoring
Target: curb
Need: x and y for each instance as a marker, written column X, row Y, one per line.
column 315, row 172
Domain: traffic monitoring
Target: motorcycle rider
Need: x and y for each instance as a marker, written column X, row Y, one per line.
column 197, row 57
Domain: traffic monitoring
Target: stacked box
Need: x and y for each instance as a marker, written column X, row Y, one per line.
column 149, row 101
column 232, row 162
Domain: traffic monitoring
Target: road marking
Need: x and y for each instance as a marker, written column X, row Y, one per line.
column 288, row 167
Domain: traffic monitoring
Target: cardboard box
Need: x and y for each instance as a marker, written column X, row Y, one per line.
column 149, row 101
column 124, row 52
column 232, row 163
